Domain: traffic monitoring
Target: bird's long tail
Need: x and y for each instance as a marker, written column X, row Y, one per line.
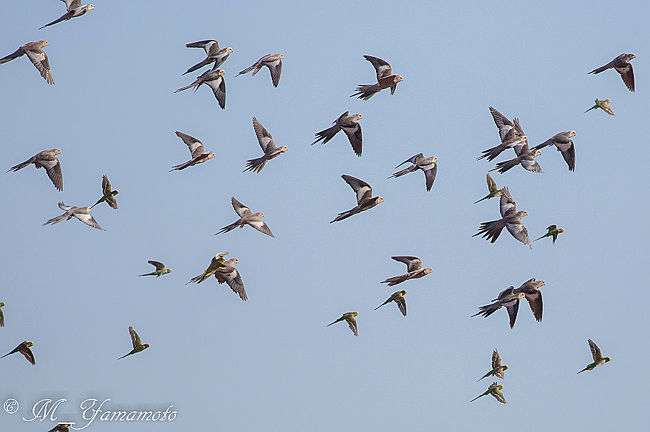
column 593, row 107
column 20, row 165
column 181, row 166
column 404, row 171
column 545, row 235
column 256, row 165
column 506, row 165
column 56, row 219
column 491, row 230
column 148, row 274
column 205, row 62
column 366, row 91
column 245, row 71
column 584, row 369
column 338, row 320
column 194, row 84
column 125, row 355
column 13, row 55
column 484, row 198
column 477, row 397
column 228, row 228
column 6, row 355
column 492, row 153
column 384, row 303
column 395, row 280
column 326, row 135
column 484, row 376
column 344, row 215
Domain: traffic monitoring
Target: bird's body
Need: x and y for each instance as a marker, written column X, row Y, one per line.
column 429, row 167
column 398, row 298
column 511, row 219
column 271, row 61
column 508, row 299
column 385, row 79
column 623, row 66
column 603, row 105
column 138, row 346
column 494, row 390
column 268, row 147
column 74, row 9
column 497, row 369
column 597, row 356
column 108, row 194
column 81, row 213
column 414, row 270
column 35, row 53
column 492, row 188
column 349, row 317
column 214, row 54
column 552, row 231
column 563, row 144
column 61, row 427
column 365, row 200
column 196, row 150
column 213, row 79
column 46, row 159
column 347, row 123
column 230, row 275
column 247, row 217
column 160, row 269
column 216, row 262
column 533, row 295
column 525, row 158
column 511, row 135
column 24, row 349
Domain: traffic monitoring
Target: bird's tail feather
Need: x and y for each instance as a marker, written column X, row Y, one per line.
column 506, row 165
column 255, row 165
column 326, row 135
column 404, row 171
column 13, row 55
column 491, row 230
column 366, row 91
column 492, row 153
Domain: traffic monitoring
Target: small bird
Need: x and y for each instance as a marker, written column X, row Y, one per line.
column 137, row 344
column 597, row 355
column 229, row 274
column 213, row 79
column 511, row 219
column 508, row 299
column 271, row 61
column 563, row 144
column 268, row 147
column 23, row 348
column 216, row 262
column 196, row 150
column 553, row 231
column 494, row 390
column 525, row 157
column 160, row 269
column 603, row 105
column 81, row 213
column 429, row 167
column 413, row 268
column 530, row 289
column 511, row 135
column 385, row 79
column 622, row 65
column 108, row 194
column 497, row 369
column 398, row 298
column 214, row 54
column 36, row 55
column 348, row 124
column 2, row 315
column 349, row 318
column 46, row 159
column 74, row 9
column 247, row 217
column 61, row 427
column 365, row 200
column 492, row 187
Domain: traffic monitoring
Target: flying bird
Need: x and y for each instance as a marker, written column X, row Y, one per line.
column 137, row 344
column 196, row 150
column 36, row 55
column 46, row 159
column 563, row 144
column 398, row 298
column 429, row 167
column 349, row 318
column 268, row 147
column 603, row 105
column 61, row 427
column 385, row 79
column 271, row 61
column 348, row 124
column 23, row 348
column 530, row 289
column 414, row 270
column 622, row 65
column 508, row 299
column 81, row 213
column 214, row 54
column 525, row 157
column 108, row 194
column 510, row 219
column 213, row 79
column 492, row 188
column 160, row 269
column 497, row 369
column 511, row 135
column 494, row 390
column 227, row 273
column 247, row 217
column 216, row 262
column 74, row 9
column 597, row 355
column 552, row 231
column 365, row 200
column 2, row 315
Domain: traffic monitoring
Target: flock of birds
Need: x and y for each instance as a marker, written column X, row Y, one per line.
column 511, row 136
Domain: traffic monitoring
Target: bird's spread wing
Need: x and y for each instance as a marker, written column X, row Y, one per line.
column 502, row 123
column 195, row 146
column 492, row 186
column 430, row 172
column 496, row 360
column 261, row 226
column 595, row 351
column 507, row 204
column 412, row 263
column 531, row 165
column 276, row 70
column 71, row 4
column 53, row 168
column 29, row 355
column 106, row 185
column 157, row 264
column 88, row 220
column 231, row 276
column 519, row 231
column 361, row 188
column 536, row 305
column 381, row 66
column 354, row 135
column 263, row 136
column 218, row 87
column 627, row 73
column 352, row 323
column 512, row 312
column 42, row 63
column 401, row 304
column 135, row 339
column 240, row 208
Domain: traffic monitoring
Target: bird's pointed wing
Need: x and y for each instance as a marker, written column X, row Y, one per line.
column 628, row 76
column 71, row 4
column 262, row 227
column 352, row 323
column 430, row 172
column 503, row 124
column 531, row 165
column 569, row 154
column 492, row 186
column 412, row 263
column 496, row 360
column 381, row 66
column 518, row 129
column 88, row 220
column 498, row 395
column 361, row 188
column 276, row 70
column 135, row 339
column 507, row 205
column 263, row 136
column 218, row 87
column 53, row 170
column 157, row 264
column 41, row 62
column 401, row 304
column 354, row 135
column 595, row 351
column 231, row 276
column 106, row 185
column 519, row 231
column 195, row 146
column 29, row 355
column 240, row 208
column 536, row 305
column 512, row 312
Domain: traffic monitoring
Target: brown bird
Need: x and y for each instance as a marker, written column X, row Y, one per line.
column 365, row 200
column 23, row 348
column 348, row 124
column 36, row 55
column 196, row 149
column 46, row 159
column 530, row 288
column 414, row 270
column 622, row 65
column 385, row 79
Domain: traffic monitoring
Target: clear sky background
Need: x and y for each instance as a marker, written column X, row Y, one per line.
column 270, row 363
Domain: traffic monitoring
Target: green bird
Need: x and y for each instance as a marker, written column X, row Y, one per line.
column 61, row 427
column 108, row 194
column 597, row 355
column 160, row 269
column 2, row 315
column 497, row 369
column 397, row 297
column 217, row 261
column 492, row 187
column 553, row 230
column 23, row 348
column 137, row 343
column 603, row 105
column 349, row 318
column 494, row 390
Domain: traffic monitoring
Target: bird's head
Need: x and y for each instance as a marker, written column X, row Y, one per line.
column 284, row 149
column 235, row 260
column 145, row 346
column 521, row 295
column 259, row 214
column 167, row 271
column 211, row 155
column 44, row 43
column 542, row 283
column 630, row 56
column 607, row 101
column 499, row 387
column 90, row 7
column 504, row 367
column 561, row 230
column 88, row 208
column 228, row 50
column 537, row 153
column 398, row 78
column 573, row 133
column 29, row 344
column 115, row 192
column 403, row 293
column 57, row 151
column 379, row 199
column 355, row 314
column 428, row 270
column 358, row 116
column 2, row 304
column 220, row 72
column 523, row 213
column 606, row 359
column 282, row 56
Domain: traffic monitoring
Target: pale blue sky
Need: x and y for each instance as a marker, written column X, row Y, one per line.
column 270, row 363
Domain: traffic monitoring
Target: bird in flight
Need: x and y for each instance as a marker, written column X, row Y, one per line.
column 622, row 65
column 46, row 159
column 35, row 53
column 597, row 356
column 74, row 9
column 137, row 344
